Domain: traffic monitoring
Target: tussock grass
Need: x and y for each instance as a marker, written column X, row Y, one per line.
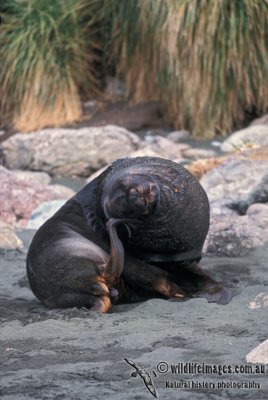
column 206, row 59
column 47, row 52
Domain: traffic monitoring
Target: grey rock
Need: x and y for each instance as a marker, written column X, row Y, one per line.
column 257, row 208
column 163, row 147
column 232, row 181
column 259, row 355
column 259, row 194
column 43, row 212
column 8, row 237
column 256, row 135
column 260, row 121
column 115, row 87
column 68, row 152
column 177, row 136
column 233, row 236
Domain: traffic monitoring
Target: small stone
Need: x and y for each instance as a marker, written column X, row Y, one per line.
column 198, row 153
column 163, row 147
column 177, row 136
column 259, row 355
column 145, row 152
column 260, row 301
column 8, row 238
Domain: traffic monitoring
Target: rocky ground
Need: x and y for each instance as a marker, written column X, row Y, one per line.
column 77, row 354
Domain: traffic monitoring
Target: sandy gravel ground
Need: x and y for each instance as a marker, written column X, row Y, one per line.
column 78, row 354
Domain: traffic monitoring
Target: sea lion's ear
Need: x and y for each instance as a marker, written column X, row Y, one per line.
column 216, row 293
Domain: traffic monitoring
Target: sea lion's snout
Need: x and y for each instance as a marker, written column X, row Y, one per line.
column 131, row 196
column 143, row 198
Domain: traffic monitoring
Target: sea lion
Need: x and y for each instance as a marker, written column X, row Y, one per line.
column 133, row 233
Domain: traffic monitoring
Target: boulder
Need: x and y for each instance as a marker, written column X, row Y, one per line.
column 22, row 191
column 234, row 179
column 263, row 120
column 256, row 135
column 233, row 236
column 68, row 152
column 258, row 195
column 259, row 355
column 8, row 237
column 43, row 212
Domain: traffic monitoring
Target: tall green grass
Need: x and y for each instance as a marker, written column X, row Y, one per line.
column 206, row 59
column 47, row 52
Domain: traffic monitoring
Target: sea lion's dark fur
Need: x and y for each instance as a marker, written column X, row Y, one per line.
column 134, row 232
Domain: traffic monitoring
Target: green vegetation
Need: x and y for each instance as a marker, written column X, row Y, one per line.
column 47, row 52
column 207, row 60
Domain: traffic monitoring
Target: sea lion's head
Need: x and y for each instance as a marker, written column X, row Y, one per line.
column 133, row 196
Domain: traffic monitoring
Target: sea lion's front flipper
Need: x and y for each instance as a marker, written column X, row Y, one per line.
column 116, row 260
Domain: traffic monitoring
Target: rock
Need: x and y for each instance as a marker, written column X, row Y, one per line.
column 233, row 235
column 115, row 88
column 260, row 121
column 260, row 301
column 133, row 117
column 257, row 208
column 259, row 355
column 198, row 153
column 177, row 136
column 8, row 238
column 145, row 152
column 68, row 152
column 256, row 135
column 258, row 194
column 43, row 212
column 201, row 167
column 21, row 192
column 163, row 147
column 232, row 181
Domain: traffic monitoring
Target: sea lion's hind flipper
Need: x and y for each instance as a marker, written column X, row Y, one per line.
column 142, row 281
column 216, row 293
column 201, row 284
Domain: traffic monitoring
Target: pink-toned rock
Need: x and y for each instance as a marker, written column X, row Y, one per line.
column 8, row 238
column 260, row 301
column 259, row 355
column 21, row 192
